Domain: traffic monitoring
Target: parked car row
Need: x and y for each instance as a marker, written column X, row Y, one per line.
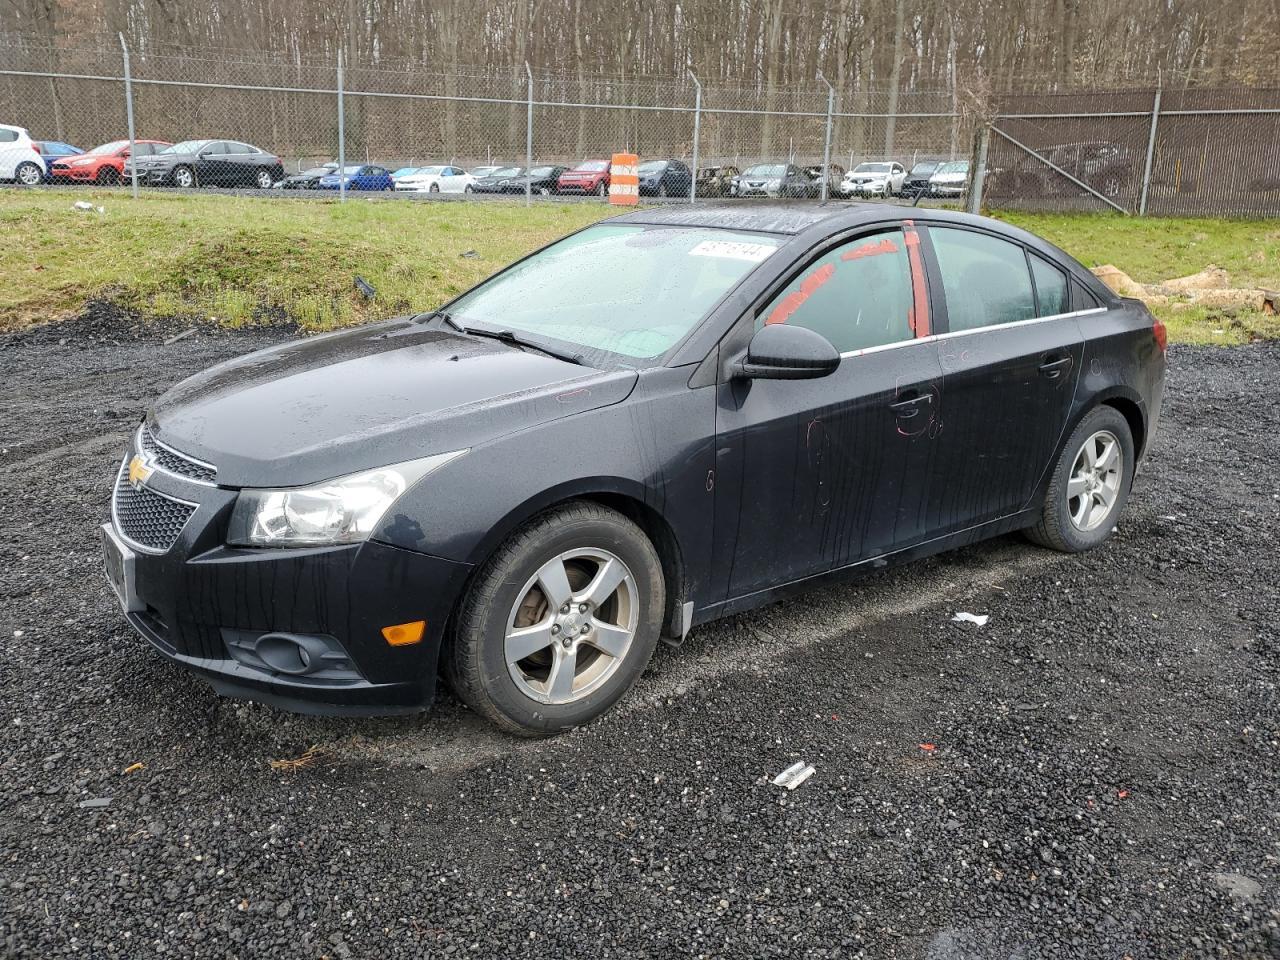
column 231, row 163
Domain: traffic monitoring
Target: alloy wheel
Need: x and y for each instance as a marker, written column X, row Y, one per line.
column 183, row 177
column 1095, row 481
column 572, row 626
column 28, row 174
column 264, row 179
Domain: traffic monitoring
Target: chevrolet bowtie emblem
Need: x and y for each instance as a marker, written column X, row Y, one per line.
column 138, row 471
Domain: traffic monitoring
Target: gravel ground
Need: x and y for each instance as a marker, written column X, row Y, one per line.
column 1093, row 774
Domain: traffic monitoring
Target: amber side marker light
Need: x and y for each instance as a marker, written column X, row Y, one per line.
column 403, row 634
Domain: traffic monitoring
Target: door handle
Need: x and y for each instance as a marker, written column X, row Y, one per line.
column 1052, row 369
column 909, row 405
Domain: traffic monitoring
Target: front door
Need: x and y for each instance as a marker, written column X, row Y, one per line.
column 813, row 475
column 1010, row 359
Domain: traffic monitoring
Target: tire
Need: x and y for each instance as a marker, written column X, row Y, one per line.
column 28, row 174
column 107, row 177
column 1060, row 527
column 602, row 190
column 469, row 189
column 544, row 191
column 662, row 190
column 262, row 178
column 522, row 697
column 434, row 188
column 184, row 177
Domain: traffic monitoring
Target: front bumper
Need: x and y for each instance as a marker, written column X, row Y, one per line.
column 946, row 189
column 72, row 173
column 202, row 604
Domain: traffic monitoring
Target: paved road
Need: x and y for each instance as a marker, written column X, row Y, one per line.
column 1092, row 774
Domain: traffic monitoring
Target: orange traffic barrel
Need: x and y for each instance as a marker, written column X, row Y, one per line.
column 624, row 179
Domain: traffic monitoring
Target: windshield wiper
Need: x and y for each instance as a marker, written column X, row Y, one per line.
column 444, row 317
column 509, row 336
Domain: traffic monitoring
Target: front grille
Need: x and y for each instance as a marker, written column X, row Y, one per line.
column 171, row 461
column 146, row 518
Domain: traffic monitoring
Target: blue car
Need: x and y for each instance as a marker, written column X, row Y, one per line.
column 363, row 177
column 53, row 150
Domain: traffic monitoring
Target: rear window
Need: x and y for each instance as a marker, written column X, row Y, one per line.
column 985, row 278
column 1051, row 287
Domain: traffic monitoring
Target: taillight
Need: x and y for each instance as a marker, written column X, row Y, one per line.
column 1161, row 334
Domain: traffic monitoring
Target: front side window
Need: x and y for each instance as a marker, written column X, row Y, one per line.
column 1051, row 287
column 985, row 279
column 621, row 289
column 858, row 295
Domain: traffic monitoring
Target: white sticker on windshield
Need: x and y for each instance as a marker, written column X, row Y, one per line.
column 733, row 250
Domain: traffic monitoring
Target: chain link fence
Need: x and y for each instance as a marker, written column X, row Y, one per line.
column 398, row 128
column 460, row 125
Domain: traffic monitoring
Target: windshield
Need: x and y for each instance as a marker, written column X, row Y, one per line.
column 591, row 166
column 927, row 167
column 508, row 172
column 629, row 290
column 541, row 171
column 651, row 166
column 350, row 171
column 430, row 171
column 115, row 146
column 872, row 168
column 187, row 146
column 766, row 170
column 482, row 171
column 956, row 166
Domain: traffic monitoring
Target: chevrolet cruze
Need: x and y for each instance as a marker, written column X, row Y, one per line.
column 665, row 418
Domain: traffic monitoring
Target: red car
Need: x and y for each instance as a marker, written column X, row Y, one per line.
column 590, row 176
column 104, row 164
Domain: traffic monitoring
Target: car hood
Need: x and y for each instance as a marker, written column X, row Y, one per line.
column 324, row 407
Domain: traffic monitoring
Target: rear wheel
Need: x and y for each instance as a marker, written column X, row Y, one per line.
column 559, row 623
column 28, row 174
column 1090, row 484
column 603, row 189
column 263, row 178
column 434, row 188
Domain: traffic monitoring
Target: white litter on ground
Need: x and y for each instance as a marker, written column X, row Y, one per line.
column 794, row 775
column 979, row 618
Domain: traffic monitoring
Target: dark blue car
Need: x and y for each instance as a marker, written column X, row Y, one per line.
column 53, row 150
column 363, row 177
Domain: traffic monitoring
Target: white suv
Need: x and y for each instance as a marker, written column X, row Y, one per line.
column 19, row 158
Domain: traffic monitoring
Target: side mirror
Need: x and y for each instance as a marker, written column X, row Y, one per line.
column 782, row 352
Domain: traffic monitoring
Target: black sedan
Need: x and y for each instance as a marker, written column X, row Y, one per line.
column 664, row 178
column 202, row 163
column 541, row 180
column 307, row 179
column 669, row 417
column 499, row 181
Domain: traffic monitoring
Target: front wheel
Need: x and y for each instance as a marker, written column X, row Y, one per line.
column 184, row 177
column 28, row 174
column 469, row 189
column 108, row 176
column 559, row 623
column 1090, row 484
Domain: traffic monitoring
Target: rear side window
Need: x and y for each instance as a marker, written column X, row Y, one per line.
column 985, row 279
column 8, row 136
column 1084, row 298
column 1051, row 287
column 858, row 295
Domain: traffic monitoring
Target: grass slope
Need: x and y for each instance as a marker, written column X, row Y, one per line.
column 244, row 260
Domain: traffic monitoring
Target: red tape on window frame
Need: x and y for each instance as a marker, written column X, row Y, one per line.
column 918, row 319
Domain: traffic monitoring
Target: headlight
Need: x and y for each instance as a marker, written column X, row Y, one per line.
column 344, row 510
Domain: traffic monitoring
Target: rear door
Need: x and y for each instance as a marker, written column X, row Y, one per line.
column 1010, row 351
column 817, row 474
column 242, row 163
